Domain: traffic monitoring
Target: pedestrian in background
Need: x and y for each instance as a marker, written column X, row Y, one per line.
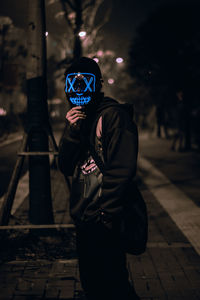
column 178, row 142
column 99, row 135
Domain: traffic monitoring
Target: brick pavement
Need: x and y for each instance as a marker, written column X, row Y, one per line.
column 169, row 269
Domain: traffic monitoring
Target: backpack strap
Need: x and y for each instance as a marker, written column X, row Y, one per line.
column 97, row 158
column 93, row 147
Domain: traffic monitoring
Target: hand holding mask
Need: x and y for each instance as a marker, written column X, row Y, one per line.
column 74, row 117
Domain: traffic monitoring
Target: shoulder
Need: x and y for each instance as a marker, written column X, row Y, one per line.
column 118, row 116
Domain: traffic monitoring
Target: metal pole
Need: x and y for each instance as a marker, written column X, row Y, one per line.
column 40, row 208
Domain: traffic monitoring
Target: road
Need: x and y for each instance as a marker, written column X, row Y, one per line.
column 173, row 178
column 169, row 269
column 8, row 157
column 182, row 169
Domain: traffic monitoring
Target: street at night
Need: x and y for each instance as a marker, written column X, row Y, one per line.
column 99, row 150
column 168, row 270
column 8, row 157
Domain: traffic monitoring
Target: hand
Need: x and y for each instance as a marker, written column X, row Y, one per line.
column 75, row 115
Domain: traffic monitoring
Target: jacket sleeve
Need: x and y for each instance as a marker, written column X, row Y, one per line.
column 69, row 151
column 120, row 143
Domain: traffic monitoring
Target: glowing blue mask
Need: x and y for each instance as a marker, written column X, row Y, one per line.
column 79, row 87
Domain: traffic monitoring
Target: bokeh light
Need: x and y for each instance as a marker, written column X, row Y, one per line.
column 96, row 59
column 111, row 81
column 100, row 53
column 82, row 34
column 119, row 60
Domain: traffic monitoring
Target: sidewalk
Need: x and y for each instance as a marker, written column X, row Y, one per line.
column 10, row 138
column 182, row 168
column 46, row 267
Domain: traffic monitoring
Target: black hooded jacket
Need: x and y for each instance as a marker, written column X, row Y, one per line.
column 120, row 148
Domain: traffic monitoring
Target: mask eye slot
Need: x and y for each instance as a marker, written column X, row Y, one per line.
column 88, row 84
column 80, row 83
column 71, row 83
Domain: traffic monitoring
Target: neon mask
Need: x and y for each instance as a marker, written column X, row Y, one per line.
column 79, row 87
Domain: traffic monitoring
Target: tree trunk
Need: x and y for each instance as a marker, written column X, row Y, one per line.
column 40, row 210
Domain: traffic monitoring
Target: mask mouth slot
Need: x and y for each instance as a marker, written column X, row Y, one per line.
column 80, row 100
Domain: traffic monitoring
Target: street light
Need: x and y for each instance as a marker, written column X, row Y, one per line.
column 96, row 59
column 111, row 80
column 3, row 112
column 82, row 34
column 46, row 33
column 100, row 53
column 119, row 60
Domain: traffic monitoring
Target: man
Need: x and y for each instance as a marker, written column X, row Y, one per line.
column 99, row 149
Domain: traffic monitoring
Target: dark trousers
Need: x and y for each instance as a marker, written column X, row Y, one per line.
column 102, row 264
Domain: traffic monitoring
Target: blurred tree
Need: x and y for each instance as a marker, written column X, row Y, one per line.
column 12, row 54
column 12, row 72
column 165, row 54
column 80, row 16
column 166, row 50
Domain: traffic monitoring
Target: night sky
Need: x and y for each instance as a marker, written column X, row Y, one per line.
column 125, row 17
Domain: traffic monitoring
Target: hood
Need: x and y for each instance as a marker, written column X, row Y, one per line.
column 106, row 102
column 109, row 102
column 85, row 65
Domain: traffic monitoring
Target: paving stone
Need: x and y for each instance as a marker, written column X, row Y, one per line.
column 197, row 293
column 134, row 266
column 9, row 278
column 39, row 272
column 62, row 271
column 67, row 290
column 78, row 286
column 69, row 270
column 184, row 258
column 169, row 283
column 148, row 267
column 168, row 229
column 14, row 270
column 6, row 268
column 63, row 287
column 158, row 259
column 192, row 256
column 27, row 297
column 57, row 268
column 7, row 291
column 149, row 288
column 38, row 286
column 154, row 233
column 171, row 261
column 190, row 294
column 24, row 286
column 18, row 267
column 172, row 295
column 193, row 276
column 16, row 297
column 52, row 292
column 162, row 272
